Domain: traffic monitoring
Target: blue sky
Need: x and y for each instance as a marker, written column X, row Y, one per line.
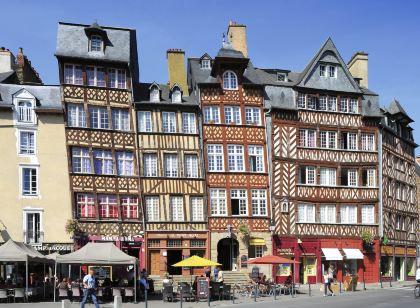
column 283, row 34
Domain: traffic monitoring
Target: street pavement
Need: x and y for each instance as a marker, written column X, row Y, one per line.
column 400, row 296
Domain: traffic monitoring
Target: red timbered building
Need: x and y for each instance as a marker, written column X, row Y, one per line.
column 324, row 147
column 171, row 170
column 399, row 195
column 97, row 66
column 235, row 152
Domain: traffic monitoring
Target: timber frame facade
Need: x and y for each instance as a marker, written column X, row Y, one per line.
column 96, row 73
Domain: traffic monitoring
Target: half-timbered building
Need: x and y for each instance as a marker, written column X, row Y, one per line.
column 171, row 170
column 97, row 66
column 325, row 184
column 399, row 195
column 234, row 145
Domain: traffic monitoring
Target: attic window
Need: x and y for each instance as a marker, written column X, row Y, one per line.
column 96, row 43
column 205, row 64
column 176, row 95
column 154, row 95
column 281, row 77
column 230, row 81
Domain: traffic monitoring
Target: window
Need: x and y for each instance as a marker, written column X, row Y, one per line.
column 155, row 95
column 29, row 181
column 150, row 165
column 197, row 243
column 312, row 102
column 152, row 208
column 368, row 142
column 344, row 104
column 211, row 114
column 368, row 214
column 25, row 110
column 256, row 158
column 102, row 162
column 189, row 125
column 168, row 122
column 348, row 214
column 327, row 213
column 81, row 160
column 349, row 177
column 130, row 207
column 322, row 103
column 98, row 117
column 176, row 96
column 125, row 163
column 369, row 177
column 301, row 100
column 238, row 202
column 76, row 115
column 174, row 243
column 332, row 71
column 144, row 121
column 197, row 209
column 232, row 115
column 307, row 175
column 306, row 213
column 177, row 208
column 215, row 157
column 259, row 202
column 95, row 43
column 235, row 157
column 205, row 63
column 348, row 141
column 120, row 119
column 353, row 105
column 307, row 138
column 95, row 76
column 323, row 71
column 171, row 165
column 191, row 165
column 33, row 228
column 108, row 207
column 328, row 176
column 218, row 202
column 117, row 78
column 252, row 116
column 328, row 140
column 27, row 142
column 332, row 103
column 73, row 74
column 281, row 77
column 230, row 81
column 86, row 206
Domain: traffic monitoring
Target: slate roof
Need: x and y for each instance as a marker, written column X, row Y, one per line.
column 228, row 52
column 142, row 95
column 5, row 75
column 47, row 97
column 396, row 108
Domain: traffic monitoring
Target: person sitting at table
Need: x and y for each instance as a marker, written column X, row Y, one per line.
column 63, row 284
column 166, row 281
column 289, row 280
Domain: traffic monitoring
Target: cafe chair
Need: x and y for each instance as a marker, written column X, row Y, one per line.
column 19, row 293
column 186, row 292
column 129, row 292
column 100, row 294
column 76, row 293
column 168, row 293
column 226, row 292
column 3, row 295
column 62, row 294
column 116, row 292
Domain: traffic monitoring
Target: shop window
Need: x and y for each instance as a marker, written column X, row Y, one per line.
column 197, row 243
column 350, row 267
column 174, row 243
column 386, row 266
column 153, row 243
column 411, row 267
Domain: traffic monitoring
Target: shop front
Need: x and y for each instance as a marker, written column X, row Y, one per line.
column 398, row 263
column 166, row 249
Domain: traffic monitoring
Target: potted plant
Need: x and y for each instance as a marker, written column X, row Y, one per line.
column 73, row 228
column 367, row 238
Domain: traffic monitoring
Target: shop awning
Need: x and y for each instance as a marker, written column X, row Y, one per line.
column 332, row 254
column 257, row 242
column 352, row 253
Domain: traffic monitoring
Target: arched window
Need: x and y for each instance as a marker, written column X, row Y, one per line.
column 230, row 81
column 25, row 112
column 154, row 95
column 176, row 95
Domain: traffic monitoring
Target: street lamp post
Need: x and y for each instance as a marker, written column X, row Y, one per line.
column 230, row 235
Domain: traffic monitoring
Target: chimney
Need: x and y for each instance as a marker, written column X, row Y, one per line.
column 177, row 70
column 7, row 60
column 236, row 35
column 358, row 67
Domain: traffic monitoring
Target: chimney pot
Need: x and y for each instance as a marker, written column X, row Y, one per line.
column 358, row 67
column 236, row 36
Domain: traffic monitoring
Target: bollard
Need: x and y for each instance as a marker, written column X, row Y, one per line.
column 340, row 286
column 352, row 286
column 117, row 302
column 310, row 294
column 145, row 297
column 364, row 285
column 255, row 293
column 65, row 303
column 275, row 291
column 390, row 282
column 182, row 297
column 233, row 296
column 208, row 299
column 380, row 280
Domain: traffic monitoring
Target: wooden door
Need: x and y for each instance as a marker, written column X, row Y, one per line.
column 154, row 262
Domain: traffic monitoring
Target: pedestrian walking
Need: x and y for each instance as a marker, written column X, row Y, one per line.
column 326, row 283
column 418, row 275
column 89, row 285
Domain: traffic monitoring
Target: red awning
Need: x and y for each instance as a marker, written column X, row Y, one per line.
column 270, row 259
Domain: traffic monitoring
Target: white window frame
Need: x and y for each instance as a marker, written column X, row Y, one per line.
column 117, row 78
column 72, row 78
column 304, row 135
column 105, row 158
column 352, row 177
column 171, row 165
column 304, row 216
column 96, row 43
column 230, row 80
column 191, row 165
column 322, row 70
column 328, row 176
column 83, row 155
column 176, row 204
column 101, row 115
column 125, row 163
column 31, row 193
column 354, row 105
column 332, row 71
column 176, row 96
column 310, row 173
column 76, row 115
column 301, row 100
column 344, row 104
column 235, row 158
column 152, row 208
column 26, row 113
column 144, row 119
column 242, row 197
column 215, row 158
column 107, row 202
column 168, row 122
column 96, row 82
column 205, row 64
column 150, row 164
column 345, row 211
column 256, row 154
column 120, row 119
column 368, row 142
column 129, row 204
column 218, row 202
column 332, row 103
column 323, row 103
column 211, row 114
column 328, row 139
column 259, row 202
column 327, row 213
column 370, row 177
column 33, row 211
column 233, row 115
column 370, row 219
column 252, row 116
column 88, row 201
column 30, row 149
column 189, row 123
column 197, row 209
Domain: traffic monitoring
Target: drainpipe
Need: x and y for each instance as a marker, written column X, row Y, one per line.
column 380, row 214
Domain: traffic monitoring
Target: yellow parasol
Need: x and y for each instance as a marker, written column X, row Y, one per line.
column 195, row 261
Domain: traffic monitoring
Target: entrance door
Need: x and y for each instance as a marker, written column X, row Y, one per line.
column 309, row 269
column 399, row 269
column 174, row 256
column 154, row 262
column 227, row 252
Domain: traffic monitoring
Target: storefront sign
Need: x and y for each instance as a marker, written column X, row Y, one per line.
column 400, row 251
column 54, row 247
column 114, row 238
column 387, row 250
column 284, row 251
column 102, row 272
column 411, row 252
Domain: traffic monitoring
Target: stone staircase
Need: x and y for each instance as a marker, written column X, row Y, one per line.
column 230, row 278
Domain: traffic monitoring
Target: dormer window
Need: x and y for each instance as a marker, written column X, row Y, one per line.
column 96, row 43
column 25, row 111
column 332, row 71
column 154, row 95
column 176, row 95
column 281, row 77
column 205, row 64
column 322, row 71
column 230, row 81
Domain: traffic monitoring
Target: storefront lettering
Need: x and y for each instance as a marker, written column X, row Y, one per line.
column 114, row 238
column 284, row 251
column 54, row 247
